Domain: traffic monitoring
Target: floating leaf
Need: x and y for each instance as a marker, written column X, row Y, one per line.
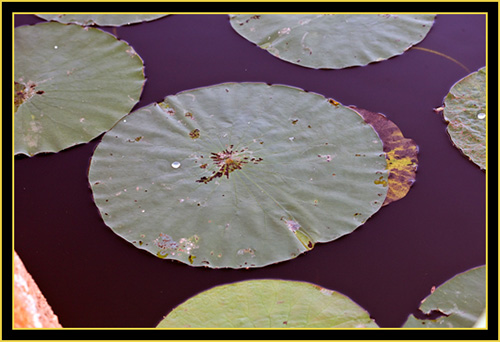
column 268, row 304
column 238, row 175
column 401, row 154
column 101, row 19
column 465, row 111
column 333, row 41
column 461, row 300
column 72, row 84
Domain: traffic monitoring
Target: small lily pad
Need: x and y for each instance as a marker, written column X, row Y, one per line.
column 101, row 19
column 238, row 174
column 461, row 301
column 465, row 111
column 333, row 41
column 268, row 304
column 71, row 85
column 401, row 154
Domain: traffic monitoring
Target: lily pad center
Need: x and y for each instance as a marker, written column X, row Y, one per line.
column 228, row 161
column 23, row 92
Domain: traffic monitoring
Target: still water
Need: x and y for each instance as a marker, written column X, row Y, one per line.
column 93, row 278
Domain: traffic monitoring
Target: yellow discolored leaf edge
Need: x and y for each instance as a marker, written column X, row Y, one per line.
column 401, row 154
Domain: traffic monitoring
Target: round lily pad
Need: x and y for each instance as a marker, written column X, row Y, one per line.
column 465, row 111
column 460, row 301
column 333, row 41
column 268, row 304
column 101, row 19
column 71, row 85
column 238, row 174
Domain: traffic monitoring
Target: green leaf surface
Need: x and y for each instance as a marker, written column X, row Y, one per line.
column 238, row 175
column 72, row 84
column 465, row 111
column 101, row 19
column 268, row 304
column 461, row 299
column 333, row 41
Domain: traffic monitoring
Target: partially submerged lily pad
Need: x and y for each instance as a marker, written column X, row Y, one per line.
column 268, row 304
column 101, row 19
column 465, row 111
column 71, row 85
column 238, row 175
column 461, row 301
column 333, row 41
column 401, row 154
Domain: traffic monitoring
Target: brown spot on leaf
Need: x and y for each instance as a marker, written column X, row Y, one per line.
column 333, row 102
column 195, row 133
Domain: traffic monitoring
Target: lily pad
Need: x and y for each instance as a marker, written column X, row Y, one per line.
column 333, row 41
column 268, row 304
column 71, row 85
column 465, row 111
column 101, row 19
column 401, row 154
column 238, row 175
column 461, row 300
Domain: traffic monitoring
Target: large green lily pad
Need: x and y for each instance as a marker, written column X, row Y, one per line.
column 71, row 85
column 461, row 299
column 238, row 174
column 333, row 41
column 268, row 304
column 465, row 111
column 101, row 19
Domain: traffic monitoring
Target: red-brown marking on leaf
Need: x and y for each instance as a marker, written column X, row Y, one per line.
column 401, row 154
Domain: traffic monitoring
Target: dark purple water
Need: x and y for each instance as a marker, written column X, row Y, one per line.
column 93, row 278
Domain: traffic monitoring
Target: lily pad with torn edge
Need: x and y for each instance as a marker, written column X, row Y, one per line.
column 401, row 154
column 333, row 41
column 268, row 304
column 101, row 19
column 71, row 85
column 465, row 112
column 461, row 300
column 238, row 175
